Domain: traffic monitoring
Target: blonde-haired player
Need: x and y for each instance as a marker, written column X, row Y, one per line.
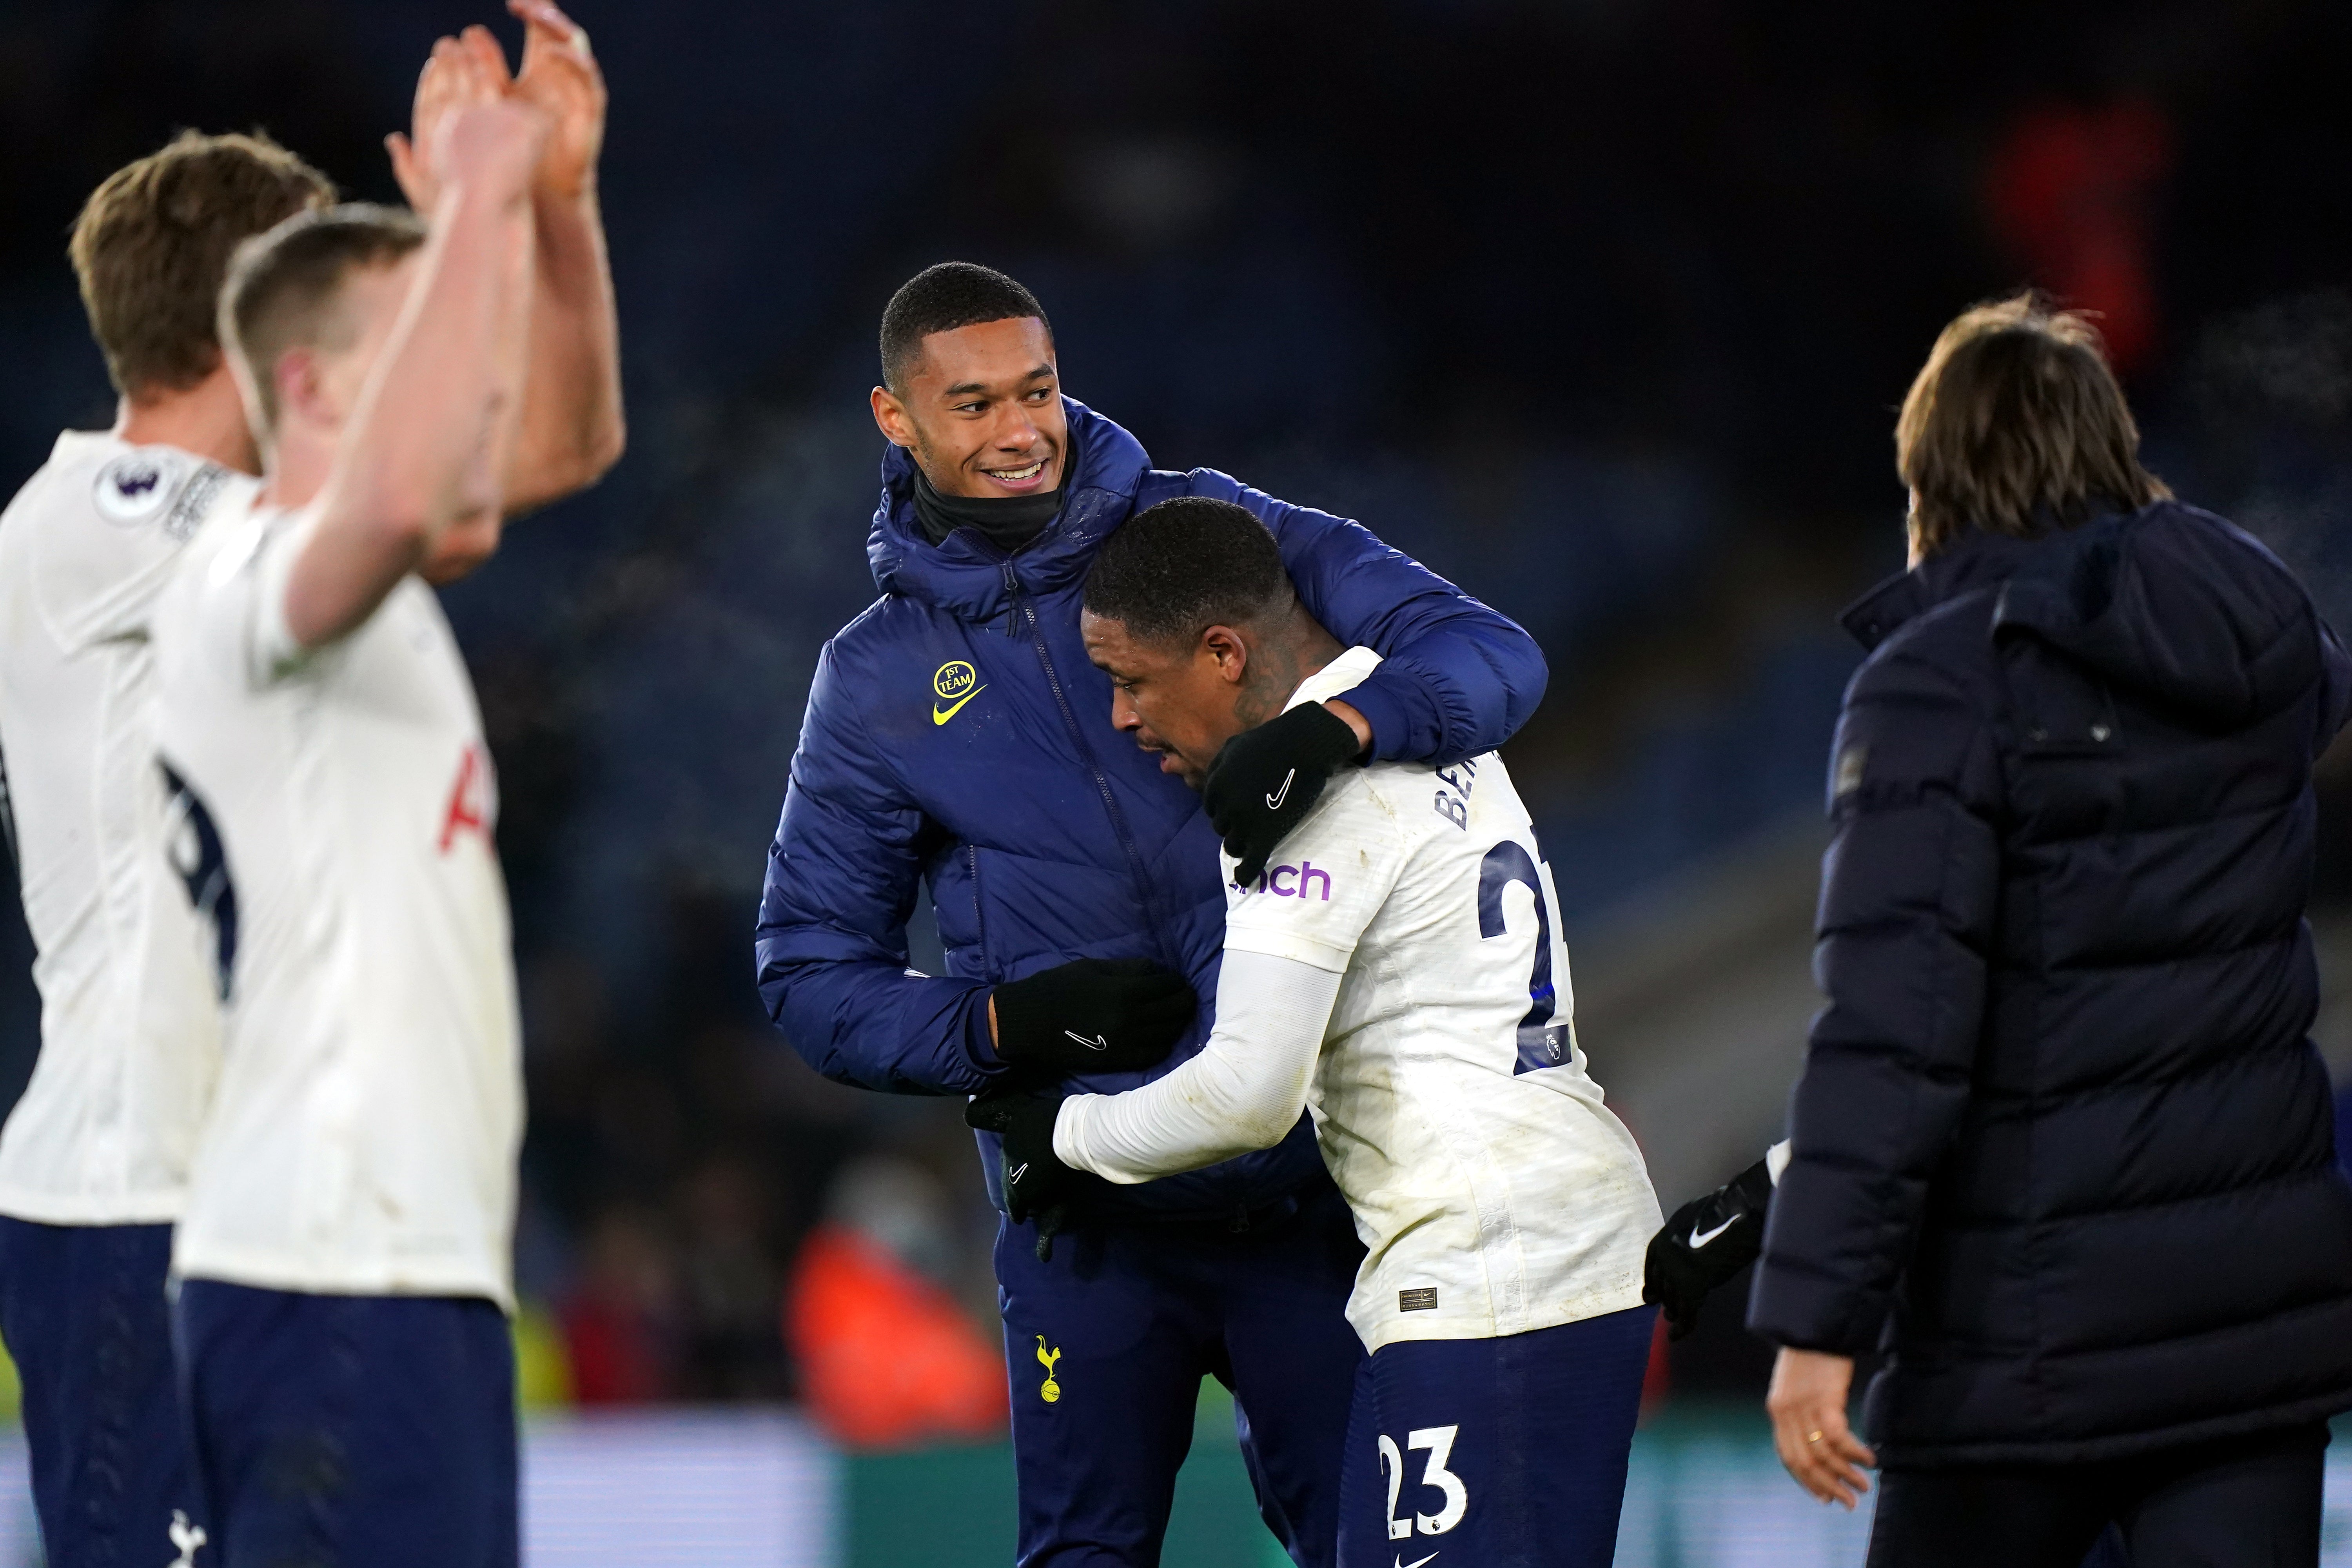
column 93, row 1160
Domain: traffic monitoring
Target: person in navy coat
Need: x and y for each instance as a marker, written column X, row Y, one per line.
column 958, row 744
column 2063, row 1150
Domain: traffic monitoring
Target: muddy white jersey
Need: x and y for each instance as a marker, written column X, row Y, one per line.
column 1495, row 1191
column 334, row 817
column 129, row 1032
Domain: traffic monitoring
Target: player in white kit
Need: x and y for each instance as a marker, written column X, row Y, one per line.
column 1401, row 977
column 344, row 1258
column 93, row 1160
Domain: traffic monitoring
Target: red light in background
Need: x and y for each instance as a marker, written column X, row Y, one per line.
column 2068, row 192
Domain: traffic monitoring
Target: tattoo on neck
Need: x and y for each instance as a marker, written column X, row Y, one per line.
column 1278, row 664
column 1272, row 676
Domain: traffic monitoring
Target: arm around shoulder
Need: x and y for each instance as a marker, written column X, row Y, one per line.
column 1459, row 677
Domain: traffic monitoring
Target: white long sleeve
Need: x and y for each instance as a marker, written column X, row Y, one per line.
column 1244, row 1091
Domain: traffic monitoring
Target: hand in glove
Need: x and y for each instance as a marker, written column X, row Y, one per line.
column 1706, row 1242
column 1092, row 1015
column 1264, row 781
column 1035, row 1182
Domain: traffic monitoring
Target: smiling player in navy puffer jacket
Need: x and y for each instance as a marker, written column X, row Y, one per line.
column 957, row 738
column 2063, row 1147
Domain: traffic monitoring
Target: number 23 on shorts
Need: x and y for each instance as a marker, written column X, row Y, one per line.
column 1439, row 1442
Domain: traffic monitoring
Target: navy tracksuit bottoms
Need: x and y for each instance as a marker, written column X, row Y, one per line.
column 1108, row 1342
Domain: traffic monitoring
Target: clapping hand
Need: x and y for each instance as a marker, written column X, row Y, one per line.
column 461, row 73
column 560, row 78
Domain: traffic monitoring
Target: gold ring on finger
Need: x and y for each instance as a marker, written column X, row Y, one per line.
column 1812, row 1436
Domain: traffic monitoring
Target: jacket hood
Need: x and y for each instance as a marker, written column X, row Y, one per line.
column 973, row 579
column 2168, row 600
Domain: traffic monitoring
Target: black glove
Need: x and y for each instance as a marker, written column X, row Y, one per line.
column 1035, row 1182
column 1264, row 781
column 1094, row 1014
column 1706, row 1242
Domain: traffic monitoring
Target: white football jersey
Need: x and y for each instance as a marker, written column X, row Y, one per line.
column 129, row 1028
column 333, row 821
column 1495, row 1192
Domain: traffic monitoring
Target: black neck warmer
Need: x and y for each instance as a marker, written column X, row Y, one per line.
column 1009, row 522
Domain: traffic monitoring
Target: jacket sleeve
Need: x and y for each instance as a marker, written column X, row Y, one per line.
column 1456, row 677
column 2335, row 688
column 842, row 876
column 1909, row 888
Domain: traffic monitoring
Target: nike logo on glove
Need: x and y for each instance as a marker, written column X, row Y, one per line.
column 1099, row 1043
column 1700, row 1238
column 1015, row 1174
column 1274, row 802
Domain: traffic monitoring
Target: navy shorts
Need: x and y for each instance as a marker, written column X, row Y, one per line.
column 351, row 1431
column 1505, row 1453
column 1109, row 1340
column 83, row 1311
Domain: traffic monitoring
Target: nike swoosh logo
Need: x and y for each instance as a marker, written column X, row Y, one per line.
column 1017, row 1173
column 1099, row 1043
column 1700, row 1238
column 942, row 715
column 1400, row 1562
column 1274, row 802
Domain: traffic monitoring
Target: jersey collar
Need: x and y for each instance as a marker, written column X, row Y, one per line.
column 1343, row 674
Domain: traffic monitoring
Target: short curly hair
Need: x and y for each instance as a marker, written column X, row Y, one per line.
column 1172, row 571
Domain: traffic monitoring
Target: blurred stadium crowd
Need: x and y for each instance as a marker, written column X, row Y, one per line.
column 1601, row 306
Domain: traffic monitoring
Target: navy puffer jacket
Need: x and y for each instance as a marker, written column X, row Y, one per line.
column 957, row 741
column 2061, row 1146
